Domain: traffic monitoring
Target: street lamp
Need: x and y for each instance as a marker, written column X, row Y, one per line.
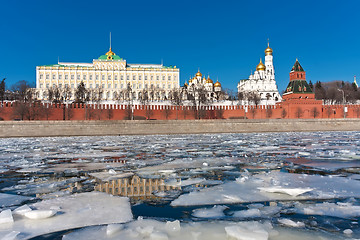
column 343, row 99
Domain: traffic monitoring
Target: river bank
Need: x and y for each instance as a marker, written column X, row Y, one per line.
column 144, row 127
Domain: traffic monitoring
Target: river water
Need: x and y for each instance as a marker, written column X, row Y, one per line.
column 208, row 186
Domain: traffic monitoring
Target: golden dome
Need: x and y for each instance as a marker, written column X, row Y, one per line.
column 109, row 54
column 268, row 50
column 217, row 84
column 209, row 80
column 260, row 66
column 198, row 74
column 185, row 84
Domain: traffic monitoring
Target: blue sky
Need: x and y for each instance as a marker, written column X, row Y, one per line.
column 223, row 38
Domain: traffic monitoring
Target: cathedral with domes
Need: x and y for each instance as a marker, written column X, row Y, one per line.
column 262, row 82
column 198, row 82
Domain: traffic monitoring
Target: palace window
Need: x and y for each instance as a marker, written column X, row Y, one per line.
column 116, row 85
column 60, row 76
column 90, row 77
column 109, row 85
column 122, row 85
column 146, row 86
column 174, row 77
column 103, row 77
column 60, row 85
column 90, row 84
column 97, row 77
column 163, row 78
column 66, row 85
column 169, row 86
column 169, row 77
column 158, row 85
column 134, row 77
column 78, row 77
column 54, row 76
column 72, row 85
column 139, row 85
column 152, row 78
column 103, row 85
column 116, row 77
column 152, row 85
column 84, row 77
column 109, row 77
column 47, row 76
column 127, row 77
column 47, row 85
column 122, row 77
column 163, row 86
column 145, row 77
column 41, row 76
column 157, row 78
column 72, row 76
column 41, row 85
column 97, row 85
column 139, row 77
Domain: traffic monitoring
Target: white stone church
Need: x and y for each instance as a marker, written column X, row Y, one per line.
column 262, row 81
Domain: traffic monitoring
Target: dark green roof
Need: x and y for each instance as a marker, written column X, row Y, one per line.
column 298, row 86
column 297, row 67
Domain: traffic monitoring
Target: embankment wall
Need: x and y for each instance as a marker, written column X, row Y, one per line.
column 145, row 127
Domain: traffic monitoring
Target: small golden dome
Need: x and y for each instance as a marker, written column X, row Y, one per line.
column 209, row 80
column 198, row 74
column 217, row 84
column 268, row 50
column 260, row 66
column 110, row 54
column 185, row 84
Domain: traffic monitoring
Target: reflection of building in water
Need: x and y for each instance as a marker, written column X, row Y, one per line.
column 134, row 187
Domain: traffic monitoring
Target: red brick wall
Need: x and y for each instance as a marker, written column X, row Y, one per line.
column 118, row 112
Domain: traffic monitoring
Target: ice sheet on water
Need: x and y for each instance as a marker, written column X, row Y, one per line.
column 247, row 190
column 342, row 210
column 214, row 230
column 7, row 200
column 78, row 210
column 183, row 183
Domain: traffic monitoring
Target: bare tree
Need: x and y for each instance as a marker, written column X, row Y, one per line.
column 176, row 98
column 219, row 113
column 329, row 112
column 299, row 112
column 167, row 111
column 283, row 113
column 269, row 112
column 357, row 112
column 253, row 111
column 199, row 99
column 185, row 112
column 315, row 112
column 47, row 110
column 110, row 113
column 2, row 90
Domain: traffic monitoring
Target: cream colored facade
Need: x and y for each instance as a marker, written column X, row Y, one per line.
column 109, row 72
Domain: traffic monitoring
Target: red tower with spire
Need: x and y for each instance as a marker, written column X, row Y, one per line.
column 299, row 99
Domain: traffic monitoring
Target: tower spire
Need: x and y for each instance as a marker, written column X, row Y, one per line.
column 110, row 40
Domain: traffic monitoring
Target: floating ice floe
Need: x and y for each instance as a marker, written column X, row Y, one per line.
column 215, row 212
column 324, row 187
column 215, row 230
column 290, row 223
column 6, row 217
column 342, row 210
column 76, row 211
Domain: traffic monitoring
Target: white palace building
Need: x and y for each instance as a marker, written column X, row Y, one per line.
column 262, row 81
column 109, row 72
